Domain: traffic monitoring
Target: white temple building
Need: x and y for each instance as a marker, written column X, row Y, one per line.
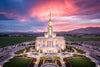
column 50, row 43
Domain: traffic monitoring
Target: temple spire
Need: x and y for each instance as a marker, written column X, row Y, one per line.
column 50, row 28
column 50, row 23
column 50, row 16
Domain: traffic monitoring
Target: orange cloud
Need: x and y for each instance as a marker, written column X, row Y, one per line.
column 22, row 20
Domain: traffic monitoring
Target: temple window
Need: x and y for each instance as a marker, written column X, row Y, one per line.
column 56, row 41
column 43, row 41
column 56, row 45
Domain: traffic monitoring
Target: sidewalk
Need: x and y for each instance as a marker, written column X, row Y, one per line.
column 88, row 55
column 12, row 54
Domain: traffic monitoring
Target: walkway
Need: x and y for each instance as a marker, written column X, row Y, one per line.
column 11, row 54
column 32, row 62
column 49, row 65
column 67, row 63
column 87, row 54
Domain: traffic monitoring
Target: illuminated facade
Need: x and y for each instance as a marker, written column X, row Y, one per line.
column 50, row 43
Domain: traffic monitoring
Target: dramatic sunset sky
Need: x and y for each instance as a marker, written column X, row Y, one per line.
column 33, row 15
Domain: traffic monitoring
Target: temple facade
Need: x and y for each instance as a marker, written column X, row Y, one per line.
column 50, row 43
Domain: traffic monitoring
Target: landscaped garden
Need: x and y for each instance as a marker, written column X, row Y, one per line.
column 68, row 49
column 6, row 41
column 27, row 50
column 71, row 49
column 20, row 51
column 80, row 51
column 18, row 62
column 81, row 62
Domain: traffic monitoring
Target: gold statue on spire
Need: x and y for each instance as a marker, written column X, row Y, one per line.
column 50, row 23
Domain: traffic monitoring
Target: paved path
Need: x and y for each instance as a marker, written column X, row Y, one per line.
column 67, row 63
column 11, row 54
column 32, row 64
column 87, row 53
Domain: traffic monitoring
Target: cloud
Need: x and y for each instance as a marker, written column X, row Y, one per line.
column 66, row 14
column 2, row 17
column 41, row 11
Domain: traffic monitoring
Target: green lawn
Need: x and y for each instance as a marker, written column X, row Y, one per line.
column 81, row 62
column 68, row 49
column 18, row 62
column 20, row 51
column 70, row 38
column 5, row 41
column 80, row 51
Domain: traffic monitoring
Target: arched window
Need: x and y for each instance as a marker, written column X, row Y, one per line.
column 56, row 45
column 56, row 41
column 43, row 41
column 40, row 51
column 44, row 45
column 58, row 51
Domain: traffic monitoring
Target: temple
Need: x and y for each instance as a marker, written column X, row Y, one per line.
column 50, row 43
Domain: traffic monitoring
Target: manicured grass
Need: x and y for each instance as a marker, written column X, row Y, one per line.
column 20, row 51
column 5, row 41
column 81, row 62
column 28, row 48
column 18, row 62
column 70, row 38
column 80, row 51
column 68, row 49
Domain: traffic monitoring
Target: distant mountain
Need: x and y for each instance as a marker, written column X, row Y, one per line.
column 88, row 30
column 19, row 32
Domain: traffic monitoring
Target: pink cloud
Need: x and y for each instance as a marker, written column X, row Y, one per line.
column 3, row 13
column 22, row 20
column 57, row 8
column 13, row 15
column 60, row 23
column 39, row 30
column 72, row 27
